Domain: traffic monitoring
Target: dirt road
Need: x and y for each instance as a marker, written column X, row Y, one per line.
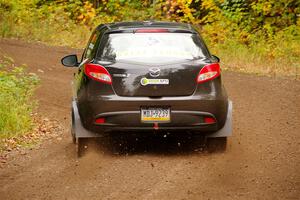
column 262, row 160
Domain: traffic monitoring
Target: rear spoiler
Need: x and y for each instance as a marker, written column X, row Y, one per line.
column 151, row 30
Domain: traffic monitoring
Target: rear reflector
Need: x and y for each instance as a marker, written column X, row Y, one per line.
column 152, row 30
column 100, row 120
column 97, row 72
column 155, row 126
column 209, row 72
column 209, row 120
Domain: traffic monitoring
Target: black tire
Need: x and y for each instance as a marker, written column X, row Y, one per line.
column 73, row 139
column 218, row 144
column 73, row 129
column 73, row 134
column 82, row 146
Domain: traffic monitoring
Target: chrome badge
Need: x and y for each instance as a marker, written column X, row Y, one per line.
column 154, row 71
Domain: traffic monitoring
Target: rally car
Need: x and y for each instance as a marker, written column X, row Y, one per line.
column 148, row 76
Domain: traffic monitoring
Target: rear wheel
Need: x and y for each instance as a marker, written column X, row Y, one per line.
column 81, row 146
column 73, row 134
column 73, row 139
column 217, row 144
column 73, row 129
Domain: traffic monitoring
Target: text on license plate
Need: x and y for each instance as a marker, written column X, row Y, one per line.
column 155, row 114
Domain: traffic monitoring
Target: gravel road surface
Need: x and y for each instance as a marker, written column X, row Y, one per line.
column 262, row 160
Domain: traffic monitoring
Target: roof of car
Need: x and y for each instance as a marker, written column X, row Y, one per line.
column 119, row 26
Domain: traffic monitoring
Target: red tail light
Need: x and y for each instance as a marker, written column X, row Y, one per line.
column 161, row 30
column 209, row 120
column 209, row 72
column 97, row 72
column 100, row 120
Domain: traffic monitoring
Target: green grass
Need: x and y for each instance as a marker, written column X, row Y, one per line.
column 16, row 103
column 54, row 31
column 258, row 59
column 278, row 55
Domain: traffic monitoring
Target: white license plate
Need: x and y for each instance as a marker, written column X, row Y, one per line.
column 155, row 114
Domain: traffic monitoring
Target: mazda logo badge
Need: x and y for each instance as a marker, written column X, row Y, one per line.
column 154, row 71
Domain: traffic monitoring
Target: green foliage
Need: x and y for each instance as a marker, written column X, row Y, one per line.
column 16, row 105
column 267, row 29
column 26, row 20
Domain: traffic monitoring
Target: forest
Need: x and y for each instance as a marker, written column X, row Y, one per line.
column 256, row 36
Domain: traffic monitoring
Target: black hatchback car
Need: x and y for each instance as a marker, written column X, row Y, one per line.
column 148, row 76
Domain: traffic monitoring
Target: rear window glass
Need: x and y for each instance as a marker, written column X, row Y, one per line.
column 148, row 47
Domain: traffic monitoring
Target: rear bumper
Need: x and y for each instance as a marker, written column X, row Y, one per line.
column 120, row 111
column 180, row 120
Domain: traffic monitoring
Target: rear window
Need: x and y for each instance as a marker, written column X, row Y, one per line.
column 152, row 47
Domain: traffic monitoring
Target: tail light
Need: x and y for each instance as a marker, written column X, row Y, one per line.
column 97, row 72
column 209, row 120
column 100, row 120
column 209, row 72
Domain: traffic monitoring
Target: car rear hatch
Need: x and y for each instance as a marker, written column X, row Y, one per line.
column 153, row 62
column 175, row 79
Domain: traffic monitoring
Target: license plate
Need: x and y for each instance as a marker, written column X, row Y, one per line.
column 155, row 114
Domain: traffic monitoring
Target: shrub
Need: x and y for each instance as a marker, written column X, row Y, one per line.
column 16, row 103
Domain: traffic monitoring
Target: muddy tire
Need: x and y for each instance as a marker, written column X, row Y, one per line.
column 73, row 134
column 218, row 144
column 81, row 146
column 73, row 128
column 73, row 139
